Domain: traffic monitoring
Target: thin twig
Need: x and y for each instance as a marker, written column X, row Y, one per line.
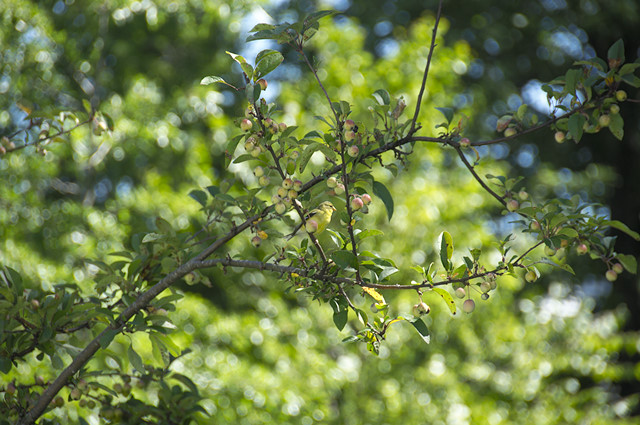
column 426, row 70
column 477, row 177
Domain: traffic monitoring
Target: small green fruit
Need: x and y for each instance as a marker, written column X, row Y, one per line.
column 512, row 205
column 485, row 287
column 531, row 276
column 614, row 109
column 292, row 194
column 339, row 189
column 349, row 125
column 349, row 135
column 484, row 296
column 282, row 192
column 523, row 195
column 280, row 208
column 535, row 225
column 465, row 142
column 256, row 241
column 617, row 267
column 421, row 309
column 468, row 306
column 258, row 171
column 621, row 95
column 366, row 198
column 353, row 151
column 246, row 124
column 604, row 120
column 560, row 136
column 263, row 181
column 256, row 151
column 297, row 185
column 332, row 182
column 549, row 252
column 287, row 183
column 356, row 204
column 611, row 275
column 460, row 293
column 582, row 249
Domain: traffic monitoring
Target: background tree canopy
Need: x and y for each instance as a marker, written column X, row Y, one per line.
column 564, row 349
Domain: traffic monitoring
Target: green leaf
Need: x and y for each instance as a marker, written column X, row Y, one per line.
column 315, row 17
column 107, row 337
column 616, row 51
column 616, row 126
column 628, row 262
column 628, row 68
column 212, row 79
column 622, row 227
column 267, row 61
column 549, row 262
column 448, row 114
column 135, row 359
column 446, row 296
column 368, row 233
column 311, row 149
column 576, row 123
column 199, row 196
column 381, row 191
column 421, row 327
column 87, row 105
column 345, row 259
column 340, row 318
column 446, row 249
column 382, row 96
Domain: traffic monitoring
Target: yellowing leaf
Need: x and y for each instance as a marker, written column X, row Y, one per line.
column 375, row 295
column 446, row 296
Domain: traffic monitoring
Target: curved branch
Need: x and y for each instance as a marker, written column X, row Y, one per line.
column 475, row 175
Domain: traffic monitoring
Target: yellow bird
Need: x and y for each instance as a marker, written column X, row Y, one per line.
column 318, row 219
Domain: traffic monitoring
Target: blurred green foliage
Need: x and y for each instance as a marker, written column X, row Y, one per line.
column 546, row 353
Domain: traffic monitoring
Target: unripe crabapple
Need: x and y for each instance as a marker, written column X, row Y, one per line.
column 287, row 183
column 349, row 135
column 614, row 109
column 421, row 309
column 282, row 127
column 549, row 252
column 339, row 189
column 366, row 198
column 560, row 136
column 460, row 293
column 512, row 205
column 282, row 192
column 468, row 306
column 604, row 120
column 353, row 151
column 280, row 208
column 510, row 132
column 263, row 181
column 356, row 203
column 611, row 275
column 349, row 125
column 465, row 142
column 332, row 182
column 535, row 225
column 617, row 267
column 292, row 194
column 621, row 95
column 582, row 249
column 246, row 124
column 297, row 185
column 485, row 287
column 311, row 226
column 531, row 276
column 258, row 171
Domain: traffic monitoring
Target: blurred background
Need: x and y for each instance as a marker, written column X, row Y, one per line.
column 562, row 350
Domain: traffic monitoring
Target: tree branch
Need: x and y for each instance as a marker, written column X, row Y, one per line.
column 426, row 70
